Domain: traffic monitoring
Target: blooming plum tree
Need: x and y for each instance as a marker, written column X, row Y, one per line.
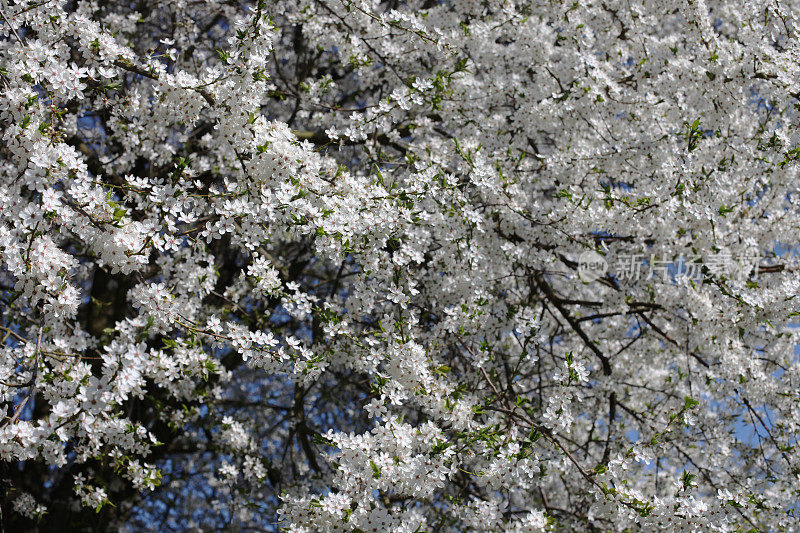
column 383, row 265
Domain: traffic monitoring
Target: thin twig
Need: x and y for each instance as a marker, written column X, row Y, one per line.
column 13, row 30
column 31, row 383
